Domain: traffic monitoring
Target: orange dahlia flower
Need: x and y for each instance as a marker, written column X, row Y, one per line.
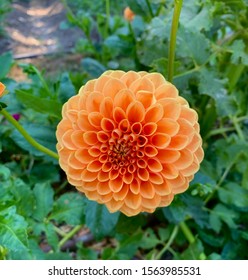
column 2, row 88
column 129, row 14
column 127, row 140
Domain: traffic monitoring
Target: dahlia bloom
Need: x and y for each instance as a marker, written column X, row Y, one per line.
column 129, row 141
column 128, row 14
column 2, row 89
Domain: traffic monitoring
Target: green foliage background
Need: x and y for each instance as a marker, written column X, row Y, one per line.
column 40, row 213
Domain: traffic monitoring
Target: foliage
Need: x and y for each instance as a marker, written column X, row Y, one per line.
column 5, row 7
column 42, row 217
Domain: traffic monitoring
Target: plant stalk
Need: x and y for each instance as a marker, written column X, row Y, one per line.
column 173, row 36
column 69, row 235
column 168, row 244
column 190, row 237
column 25, row 134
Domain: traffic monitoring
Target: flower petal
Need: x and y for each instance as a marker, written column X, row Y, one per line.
column 135, row 112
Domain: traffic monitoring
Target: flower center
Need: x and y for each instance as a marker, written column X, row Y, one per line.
column 124, row 151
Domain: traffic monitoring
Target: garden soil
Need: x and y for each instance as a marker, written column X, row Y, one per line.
column 35, row 33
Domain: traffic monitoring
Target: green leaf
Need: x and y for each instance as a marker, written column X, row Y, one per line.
column 66, row 88
column 2, row 105
column 211, row 85
column 233, row 194
column 186, row 206
column 220, row 214
column 51, row 235
column 139, row 7
column 58, row 256
column 69, row 208
column 194, row 45
column 6, row 61
column 194, row 20
column 177, row 211
column 93, row 67
column 45, row 135
column 13, row 230
column 194, row 251
column 44, row 200
column 86, row 253
column 23, row 193
column 116, row 45
column 239, row 54
column 129, row 244
column 4, row 173
column 39, row 104
column 99, row 220
column 149, row 239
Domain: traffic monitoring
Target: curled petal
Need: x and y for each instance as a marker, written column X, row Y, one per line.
column 154, row 165
column 90, row 137
column 178, row 142
column 172, row 108
column 149, row 128
column 121, row 195
column 119, row 115
column 166, row 90
column 132, row 200
column 66, row 140
column 83, row 156
column 93, row 101
column 106, row 107
column 143, row 174
column 150, row 151
column 135, row 186
column 168, row 156
column 135, row 112
column 112, row 87
column 145, row 97
column 163, row 189
column 147, row 190
column 95, row 119
column 107, row 125
column 160, row 140
column 129, row 77
column 154, row 113
column 168, row 126
column 123, row 98
column 189, row 114
column 142, row 84
column 116, row 184
column 94, row 166
column 88, row 176
column 156, row 79
column 103, row 188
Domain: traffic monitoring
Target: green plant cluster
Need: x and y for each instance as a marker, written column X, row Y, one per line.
column 43, row 217
column 5, row 7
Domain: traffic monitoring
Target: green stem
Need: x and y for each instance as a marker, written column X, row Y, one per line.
column 190, row 237
column 29, row 139
column 69, row 235
column 173, row 36
column 187, row 232
column 168, row 244
column 223, row 177
column 219, row 131
column 238, row 129
column 149, row 8
column 136, row 59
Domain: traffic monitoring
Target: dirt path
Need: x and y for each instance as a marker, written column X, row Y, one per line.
column 33, row 28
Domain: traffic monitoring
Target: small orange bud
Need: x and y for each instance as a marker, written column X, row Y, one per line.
column 2, row 88
column 129, row 14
